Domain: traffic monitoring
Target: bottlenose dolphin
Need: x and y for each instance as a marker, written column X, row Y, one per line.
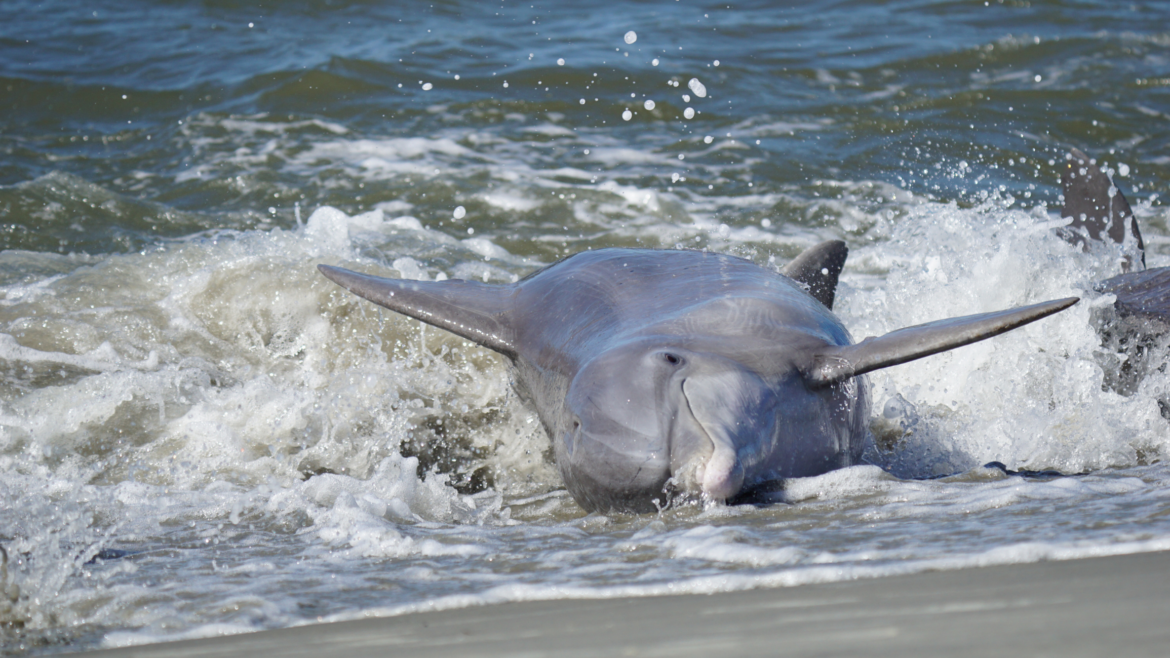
column 1138, row 323
column 1099, row 211
column 659, row 373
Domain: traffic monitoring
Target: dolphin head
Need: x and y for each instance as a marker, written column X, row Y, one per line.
column 651, row 418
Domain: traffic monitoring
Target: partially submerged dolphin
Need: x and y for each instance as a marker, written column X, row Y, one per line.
column 660, row 372
column 1138, row 323
column 1099, row 211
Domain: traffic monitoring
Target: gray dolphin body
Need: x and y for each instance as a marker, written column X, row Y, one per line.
column 1099, row 211
column 659, row 372
column 1138, row 323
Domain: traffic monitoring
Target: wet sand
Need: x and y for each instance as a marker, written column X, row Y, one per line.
column 1090, row 607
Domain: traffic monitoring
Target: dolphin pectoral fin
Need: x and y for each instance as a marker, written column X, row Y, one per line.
column 1091, row 205
column 475, row 311
column 838, row 363
column 819, row 267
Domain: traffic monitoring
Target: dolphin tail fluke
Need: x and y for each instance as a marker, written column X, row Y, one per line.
column 819, row 267
column 1096, row 205
column 475, row 311
column 842, row 362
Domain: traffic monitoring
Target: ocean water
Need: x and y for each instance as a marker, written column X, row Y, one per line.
column 200, row 435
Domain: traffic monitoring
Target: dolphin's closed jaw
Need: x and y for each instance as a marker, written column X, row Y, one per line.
column 705, row 461
column 723, row 474
column 732, row 408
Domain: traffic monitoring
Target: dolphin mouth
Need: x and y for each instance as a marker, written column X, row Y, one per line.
column 716, row 469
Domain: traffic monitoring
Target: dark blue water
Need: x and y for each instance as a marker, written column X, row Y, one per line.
column 177, row 381
column 102, row 90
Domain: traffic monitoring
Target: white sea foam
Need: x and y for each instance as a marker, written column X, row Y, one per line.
column 985, row 402
column 377, row 158
column 261, row 124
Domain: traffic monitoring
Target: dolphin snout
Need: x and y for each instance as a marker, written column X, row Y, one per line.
column 722, row 476
column 726, row 406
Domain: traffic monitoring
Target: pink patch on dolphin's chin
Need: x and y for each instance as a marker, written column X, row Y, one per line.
column 723, row 474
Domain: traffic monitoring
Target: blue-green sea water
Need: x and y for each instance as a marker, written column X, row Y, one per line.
column 242, row 445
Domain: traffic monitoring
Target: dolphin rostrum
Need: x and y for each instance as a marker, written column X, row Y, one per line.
column 659, row 372
column 1139, row 320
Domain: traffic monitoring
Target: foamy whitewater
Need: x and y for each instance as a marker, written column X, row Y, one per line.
column 250, row 435
column 200, row 435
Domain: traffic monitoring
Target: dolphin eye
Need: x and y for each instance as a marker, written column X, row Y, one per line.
column 672, row 359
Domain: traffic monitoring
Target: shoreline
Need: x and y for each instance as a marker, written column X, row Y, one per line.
column 1082, row 607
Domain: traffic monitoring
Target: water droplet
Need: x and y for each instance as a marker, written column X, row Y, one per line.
column 649, row 105
column 708, row 139
column 627, row 115
column 459, row 213
column 582, row 101
column 689, row 113
column 697, row 87
column 765, row 222
column 560, row 61
column 716, row 63
column 674, row 178
column 654, row 62
column 1122, row 169
column 505, row 84
column 631, row 36
column 428, row 86
column 470, row 231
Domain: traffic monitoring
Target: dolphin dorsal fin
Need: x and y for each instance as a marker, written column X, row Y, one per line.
column 475, row 311
column 838, row 363
column 1088, row 202
column 819, row 267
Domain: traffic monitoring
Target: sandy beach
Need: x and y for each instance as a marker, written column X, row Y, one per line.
column 1090, row 607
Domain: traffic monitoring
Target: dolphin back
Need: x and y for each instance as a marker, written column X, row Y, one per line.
column 475, row 311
